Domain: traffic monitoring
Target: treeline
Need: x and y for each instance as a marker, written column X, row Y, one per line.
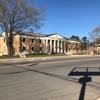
column 84, row 41
column 93, row 40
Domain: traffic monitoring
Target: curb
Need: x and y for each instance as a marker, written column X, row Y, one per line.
column 4, row 60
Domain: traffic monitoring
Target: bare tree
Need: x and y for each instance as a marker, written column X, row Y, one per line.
column 17, row 15
column 95, row 34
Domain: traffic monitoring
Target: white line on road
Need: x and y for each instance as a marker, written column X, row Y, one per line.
column 30, row 60
column 14, row 61
column 44, row 59
column 53, row 62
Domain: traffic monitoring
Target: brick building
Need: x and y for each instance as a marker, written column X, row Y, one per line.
column 40, row 44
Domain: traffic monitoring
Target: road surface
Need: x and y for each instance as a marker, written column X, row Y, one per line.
column 48, row 79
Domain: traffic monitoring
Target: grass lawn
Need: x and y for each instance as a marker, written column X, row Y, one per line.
column 32, row 56
column 9, row 57
column 45, row 55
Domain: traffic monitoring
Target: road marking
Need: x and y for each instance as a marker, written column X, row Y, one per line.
column 13, row 61
column 48, row 62
column 28, row 64
column 6, row 67
column 16, row 61
column 49, row 58
column 65, row 61
column 56, row 61
column 30, row 60
column 44, row 59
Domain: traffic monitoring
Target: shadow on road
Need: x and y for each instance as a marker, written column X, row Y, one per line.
column 74, row 72
column 83, row 80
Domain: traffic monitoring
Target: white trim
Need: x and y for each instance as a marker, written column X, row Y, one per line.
column 24, row 36
column 78, row 42
column 56, row 39
column 1, row 37
column 74, row 41
column 71, row 41
column 5, row 53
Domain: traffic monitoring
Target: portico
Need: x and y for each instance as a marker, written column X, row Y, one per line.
column 55, row 44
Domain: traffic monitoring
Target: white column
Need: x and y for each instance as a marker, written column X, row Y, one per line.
column 57, row 46
column 46, row 46
column 64, row 46
column 50, row 46
column 67, row 46
column 61, row 46
column 54, row 46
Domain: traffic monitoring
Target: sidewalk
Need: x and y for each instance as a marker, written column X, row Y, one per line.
column 8, row 59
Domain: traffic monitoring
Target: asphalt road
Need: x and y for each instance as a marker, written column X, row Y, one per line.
column 49, row 79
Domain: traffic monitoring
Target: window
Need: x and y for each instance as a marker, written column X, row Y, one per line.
column 32, row 40
column 69, row 43
column 76, row 44
column 23, row 48
column 32, row 48
column 39, row 41
column 40, row 48
column 23, row 39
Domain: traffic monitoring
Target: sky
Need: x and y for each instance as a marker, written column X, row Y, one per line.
column 70, row 17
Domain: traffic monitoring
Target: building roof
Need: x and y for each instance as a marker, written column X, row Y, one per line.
column 30, row 34
column 39, row 35
column 66, row 38
column 44, row 35
column 97, row 45
column 54, row 34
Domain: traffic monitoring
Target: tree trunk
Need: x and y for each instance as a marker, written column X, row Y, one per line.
column 10, row 46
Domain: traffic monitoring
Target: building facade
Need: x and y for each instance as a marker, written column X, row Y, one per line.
column 40, row 44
